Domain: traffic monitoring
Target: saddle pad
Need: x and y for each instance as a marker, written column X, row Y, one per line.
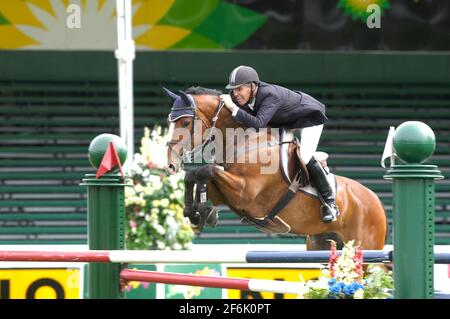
column 287, row 136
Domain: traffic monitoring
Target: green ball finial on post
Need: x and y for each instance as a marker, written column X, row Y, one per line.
column 106, row 217
column 99, row 145
column 413, row 211
column 414, row 142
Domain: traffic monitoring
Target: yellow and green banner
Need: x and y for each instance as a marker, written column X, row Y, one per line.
column 157, row 24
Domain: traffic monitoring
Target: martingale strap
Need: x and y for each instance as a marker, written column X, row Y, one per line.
column 282, row 202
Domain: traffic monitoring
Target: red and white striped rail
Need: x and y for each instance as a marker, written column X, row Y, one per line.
column 284, row 287
column 126, row 256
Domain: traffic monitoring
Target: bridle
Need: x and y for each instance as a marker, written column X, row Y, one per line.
column 189, row 156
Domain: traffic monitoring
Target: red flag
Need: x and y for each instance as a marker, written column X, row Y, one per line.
column 109, row 161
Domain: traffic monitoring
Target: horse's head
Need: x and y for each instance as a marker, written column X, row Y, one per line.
column 191, row 115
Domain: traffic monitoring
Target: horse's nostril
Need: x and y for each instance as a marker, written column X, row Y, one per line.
column 171, row 169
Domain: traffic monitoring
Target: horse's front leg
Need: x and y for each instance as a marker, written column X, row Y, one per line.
column 230, row 186
column 190, row 208
column 198, row 210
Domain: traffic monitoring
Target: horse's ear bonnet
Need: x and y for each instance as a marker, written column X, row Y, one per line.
column 183, row 105
column 187, row 98
column 170, row 94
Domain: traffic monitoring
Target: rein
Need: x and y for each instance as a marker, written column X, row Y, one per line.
column 189, row 156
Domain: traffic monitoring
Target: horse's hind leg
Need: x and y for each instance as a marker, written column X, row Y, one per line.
column 322, row 241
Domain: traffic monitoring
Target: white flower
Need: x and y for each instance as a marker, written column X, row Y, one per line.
column 160, row 245
column 165, row 202
column 155, row 181
column 135, row 169
column 156, row 203
column 171, row 223
column 138, row 159
column 135, row 200
column 153, row 147
column 148, row 190
column 178, row 193
column 129, row 191
column 173, row 179
column 161, row 230
column 138, row 188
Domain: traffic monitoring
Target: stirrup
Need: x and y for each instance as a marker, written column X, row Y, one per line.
column 329, row 212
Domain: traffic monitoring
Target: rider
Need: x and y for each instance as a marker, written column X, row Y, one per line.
column 262, row 104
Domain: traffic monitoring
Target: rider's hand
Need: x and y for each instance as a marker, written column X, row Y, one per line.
column 226, row 99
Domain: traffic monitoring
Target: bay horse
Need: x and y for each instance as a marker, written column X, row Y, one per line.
column 249, row 193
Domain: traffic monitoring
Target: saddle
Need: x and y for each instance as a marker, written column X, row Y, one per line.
column 291, row 162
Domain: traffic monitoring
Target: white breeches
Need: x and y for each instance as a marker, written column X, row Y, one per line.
column 309, row 140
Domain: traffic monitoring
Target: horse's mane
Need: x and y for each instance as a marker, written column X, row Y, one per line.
column 198, row 90
column 226, row 117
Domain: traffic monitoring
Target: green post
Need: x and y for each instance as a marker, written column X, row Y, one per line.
column 413, row 211
column 106, row 218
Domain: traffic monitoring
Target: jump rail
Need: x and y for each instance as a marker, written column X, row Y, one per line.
column 156, row 256
column 210, row 281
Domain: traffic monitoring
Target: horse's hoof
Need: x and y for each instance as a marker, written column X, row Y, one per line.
column 195, row 219
column 212, row 218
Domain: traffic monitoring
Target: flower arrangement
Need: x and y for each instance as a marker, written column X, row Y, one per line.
column 154, row 206
column 344, row 278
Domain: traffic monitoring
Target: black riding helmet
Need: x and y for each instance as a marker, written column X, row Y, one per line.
column 241, row 75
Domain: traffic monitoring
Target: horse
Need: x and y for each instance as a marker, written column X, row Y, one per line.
column 251, row 195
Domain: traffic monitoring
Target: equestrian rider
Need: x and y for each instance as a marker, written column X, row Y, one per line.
column 262, row 104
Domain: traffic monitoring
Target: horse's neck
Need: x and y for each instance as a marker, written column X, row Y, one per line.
column 225, row 121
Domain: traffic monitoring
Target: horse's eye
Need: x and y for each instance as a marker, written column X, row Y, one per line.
column 186, row 123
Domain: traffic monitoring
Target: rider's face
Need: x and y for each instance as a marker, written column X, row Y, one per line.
column 243, row 93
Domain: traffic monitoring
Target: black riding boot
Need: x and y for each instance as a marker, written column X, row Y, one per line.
column 317, row 175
